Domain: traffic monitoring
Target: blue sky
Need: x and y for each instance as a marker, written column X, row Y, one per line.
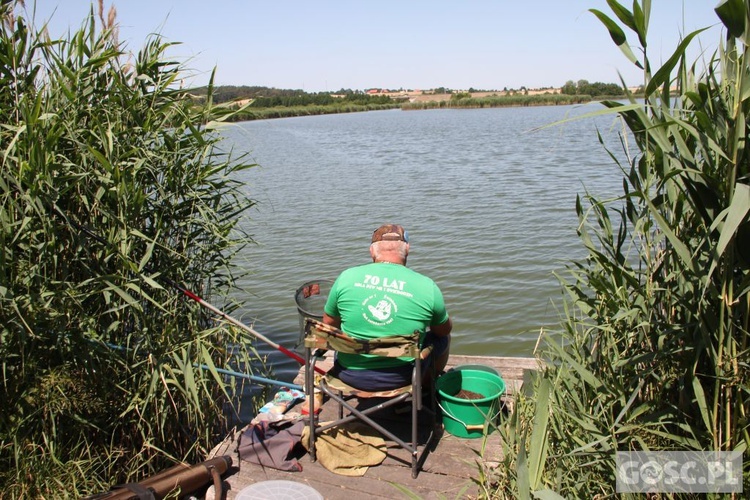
column 412, row 44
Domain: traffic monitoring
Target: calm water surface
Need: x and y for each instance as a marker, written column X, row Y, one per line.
column 488, row 200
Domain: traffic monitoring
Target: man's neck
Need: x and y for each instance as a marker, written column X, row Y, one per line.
column 390, row 260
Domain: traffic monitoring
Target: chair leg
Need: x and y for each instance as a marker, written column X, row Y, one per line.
column 431, row 408
column 415, row 404
column 310, row 390
column 341, row 407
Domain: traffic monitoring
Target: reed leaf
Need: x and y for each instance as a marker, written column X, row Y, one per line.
column 731, row 219
column 663, row 75
column 538, row 444
column 617, row 35
column 732, row 14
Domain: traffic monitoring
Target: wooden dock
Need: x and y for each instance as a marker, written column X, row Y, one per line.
column 446, row 473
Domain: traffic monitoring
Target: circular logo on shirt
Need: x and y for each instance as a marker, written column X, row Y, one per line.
column 378, row 309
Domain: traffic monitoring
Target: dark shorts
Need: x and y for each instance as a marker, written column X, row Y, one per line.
column 389, row 378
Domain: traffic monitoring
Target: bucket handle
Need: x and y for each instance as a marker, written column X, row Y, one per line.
column 469, row 427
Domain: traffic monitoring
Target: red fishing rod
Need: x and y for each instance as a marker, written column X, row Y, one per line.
column 200, row 301
column 238, row 323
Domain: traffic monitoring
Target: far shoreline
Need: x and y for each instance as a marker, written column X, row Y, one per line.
column 436, row 101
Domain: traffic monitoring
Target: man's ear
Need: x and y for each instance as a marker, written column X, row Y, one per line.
column 372, row 252
column 407, row 249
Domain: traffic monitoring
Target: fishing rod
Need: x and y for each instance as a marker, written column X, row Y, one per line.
column 254, row 378
column 198, row 299
column 238, row 323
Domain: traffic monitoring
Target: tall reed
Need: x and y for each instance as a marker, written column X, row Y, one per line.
column 98, row 357
column 652, row 353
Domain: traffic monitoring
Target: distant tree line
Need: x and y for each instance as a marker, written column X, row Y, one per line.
column 596, row 89
column 271, row 102
column 228, row 93
column 269, row 97
column 339, row 106
column 464, row 100
column 319, row 99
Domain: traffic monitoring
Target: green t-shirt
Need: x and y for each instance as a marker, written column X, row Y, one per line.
column 381, row 299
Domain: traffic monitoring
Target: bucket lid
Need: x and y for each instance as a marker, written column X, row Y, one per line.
column 278, row 489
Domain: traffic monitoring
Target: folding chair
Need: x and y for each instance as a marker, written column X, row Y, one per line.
column 319, row 338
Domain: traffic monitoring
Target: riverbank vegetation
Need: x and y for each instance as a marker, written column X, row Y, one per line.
column 263, row 102
column 260, row 103
column 259, row 112
column 272, row 96
column 652, row 353
column 110, row 181
column 465, row 101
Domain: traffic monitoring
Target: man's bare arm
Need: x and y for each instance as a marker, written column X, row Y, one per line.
column 330, row 320
column 442, row 330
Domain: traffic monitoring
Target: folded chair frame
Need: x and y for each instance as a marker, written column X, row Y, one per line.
column 320, row 338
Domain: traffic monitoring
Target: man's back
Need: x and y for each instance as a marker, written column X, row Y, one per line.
column 380, row 299
column 386, row 298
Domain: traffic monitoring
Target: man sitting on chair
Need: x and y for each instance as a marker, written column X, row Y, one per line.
column 386, row 298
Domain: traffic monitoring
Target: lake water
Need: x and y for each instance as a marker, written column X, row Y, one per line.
column 487, row 197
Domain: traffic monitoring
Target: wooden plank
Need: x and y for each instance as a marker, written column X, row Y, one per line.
column 445, row 474
column 445, row 471
column 511, row 369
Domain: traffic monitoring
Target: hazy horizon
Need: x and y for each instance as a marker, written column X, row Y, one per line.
column 334, row 45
